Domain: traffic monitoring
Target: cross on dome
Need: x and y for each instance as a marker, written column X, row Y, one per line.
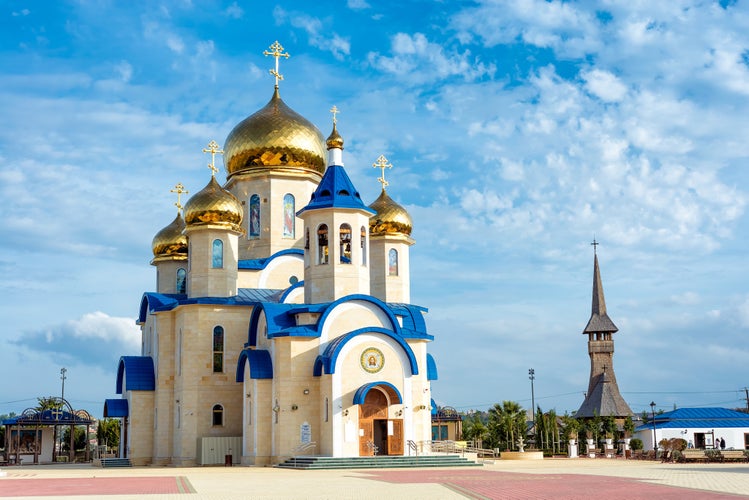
column 179, row 189
column 335, row 111
column 213, row 148
column 277, row 51
column 382, row 164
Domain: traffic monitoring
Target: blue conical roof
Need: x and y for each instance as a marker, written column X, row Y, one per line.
column 336, row 191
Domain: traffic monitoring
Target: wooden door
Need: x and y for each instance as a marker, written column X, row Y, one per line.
column 395, row 440
column 367, row 436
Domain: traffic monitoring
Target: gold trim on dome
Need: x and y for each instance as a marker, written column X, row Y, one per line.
column 170, row 242
column 382, row 164
column 215, row 206
column 275, row 137
column 389, row 217
column 372, row 360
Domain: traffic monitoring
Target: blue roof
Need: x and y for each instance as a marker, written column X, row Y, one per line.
column 115, row 407
column 361, row 393
column 258, row 264
column 261, row 366
column 431, row 368
column 138, row 373
column 336, row 191
column 703, row 418
column 325, row 362
column 156, row 302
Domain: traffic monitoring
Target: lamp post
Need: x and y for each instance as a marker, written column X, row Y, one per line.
column 532, row 377
column 652, row 411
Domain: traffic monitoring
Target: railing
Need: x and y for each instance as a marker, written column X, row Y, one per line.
column 373, row 447
column 412, row 447
column 452, row 447
column 302, row 449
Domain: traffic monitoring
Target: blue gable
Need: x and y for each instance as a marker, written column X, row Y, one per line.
column 137, row 372
column 261, row 366
column 336, row 191
column 259, row 264
column 115, row 408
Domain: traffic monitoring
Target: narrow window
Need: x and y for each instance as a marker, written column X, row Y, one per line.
column 322, row 244
column 326, row 409
column 393, row 262
column 288, row 216
column 249, row 412
column 155, row 418
column 181, row 280
column 306, row 239
column 363, row 246
column 218, row 349
column 345, row 244
column 218, row 415
column 179, row 354
column 217, row 260
column 178, row 416
column 254, row 223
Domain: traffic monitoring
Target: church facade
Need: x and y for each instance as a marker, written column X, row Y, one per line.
column 281, row 323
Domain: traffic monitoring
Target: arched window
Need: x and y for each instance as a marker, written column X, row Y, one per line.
column 393, row 262
column 322, row 244
column 288, row 215
column 218, row 415
column 217, row 256
column 181, row 280
column 344, row 253
column 218, row 349
column 363, row 246
column 253, row 230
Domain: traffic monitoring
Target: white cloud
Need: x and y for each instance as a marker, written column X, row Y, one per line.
column 234, row 11
column 125, row 71
column 318, row 35
column 357, row 4
column 604, row 85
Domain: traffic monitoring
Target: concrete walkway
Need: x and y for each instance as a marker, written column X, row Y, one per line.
column 555, row 478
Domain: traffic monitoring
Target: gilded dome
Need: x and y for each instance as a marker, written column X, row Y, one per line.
column 334, row 140
column 275, row 137
column 214, row 205
column 170, row 243
column 389, row 217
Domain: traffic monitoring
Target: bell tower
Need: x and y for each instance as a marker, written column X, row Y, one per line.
column 603, row 397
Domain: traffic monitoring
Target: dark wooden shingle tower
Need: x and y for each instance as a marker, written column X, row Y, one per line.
column 603, row 397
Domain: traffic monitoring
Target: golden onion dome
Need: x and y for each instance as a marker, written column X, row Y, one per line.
column 390, row 218
column 334, row 140
column 214, row 205
column 170, row 243
column 274, row 138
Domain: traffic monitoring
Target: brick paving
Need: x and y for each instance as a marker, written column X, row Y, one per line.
column 482, row 484
column 99, row 486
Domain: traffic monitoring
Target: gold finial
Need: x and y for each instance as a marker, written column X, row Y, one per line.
column 382, row 164
column 213, row 148
column 335, row 111
column 180, row 190
column 276, row 51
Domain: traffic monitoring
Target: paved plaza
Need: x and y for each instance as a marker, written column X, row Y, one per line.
column 558, row 478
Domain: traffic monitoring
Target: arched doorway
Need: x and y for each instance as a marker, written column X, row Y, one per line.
column 380, row 435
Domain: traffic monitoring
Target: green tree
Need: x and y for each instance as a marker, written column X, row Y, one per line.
column 629, row 427
column 79, row 438
column 2, row 427
column 108, row 432
column 48, row 403
column 509, row 422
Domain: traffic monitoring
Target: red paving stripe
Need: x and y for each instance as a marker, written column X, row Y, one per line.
column 509, row 485
column 92, row 486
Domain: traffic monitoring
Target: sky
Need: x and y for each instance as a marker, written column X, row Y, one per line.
column 518, row 131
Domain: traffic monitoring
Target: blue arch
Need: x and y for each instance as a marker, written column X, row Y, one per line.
column 364, row 298
column 140, row 374
column 261, row 366
column 361, row 392
column 326, row 362
column 431, row 368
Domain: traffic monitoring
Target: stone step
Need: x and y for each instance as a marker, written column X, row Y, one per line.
column 380, row 462
column 116, row 462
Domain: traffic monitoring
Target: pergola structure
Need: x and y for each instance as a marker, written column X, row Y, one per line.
column 62, row 414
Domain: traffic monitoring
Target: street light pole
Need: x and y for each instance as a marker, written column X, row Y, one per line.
column 532, row 376
column 652, row 411
column 63, row 371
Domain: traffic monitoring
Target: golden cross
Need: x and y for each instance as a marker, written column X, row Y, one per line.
column 335, row 111
column 382, row 164
column 213, row 148
column 276, row 52
column 180, row 190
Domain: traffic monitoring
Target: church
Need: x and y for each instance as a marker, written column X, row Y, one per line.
column 281, row 323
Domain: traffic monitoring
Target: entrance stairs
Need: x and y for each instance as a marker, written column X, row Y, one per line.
column 116, row 462
column 377, row 462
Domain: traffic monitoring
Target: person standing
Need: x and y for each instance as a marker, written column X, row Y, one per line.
column 722, row 444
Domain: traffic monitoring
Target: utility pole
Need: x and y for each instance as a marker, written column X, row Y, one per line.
column 532, row 377
column 63, row 371
column 746, row 391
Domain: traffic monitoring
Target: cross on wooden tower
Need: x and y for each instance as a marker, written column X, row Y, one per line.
column 595, row 244
column 180, row 190
column 213, row 148
column 382, row 164
column 276, row 51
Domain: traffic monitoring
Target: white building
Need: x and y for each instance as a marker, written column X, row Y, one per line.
column 702, row 426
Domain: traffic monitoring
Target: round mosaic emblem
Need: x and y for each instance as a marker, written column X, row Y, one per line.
column 372, row 360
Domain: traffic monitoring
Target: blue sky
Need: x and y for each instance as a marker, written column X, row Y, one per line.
column 518, row 130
